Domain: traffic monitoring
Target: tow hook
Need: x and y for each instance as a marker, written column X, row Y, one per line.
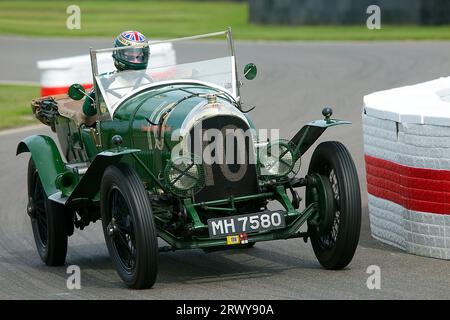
column 296, row 199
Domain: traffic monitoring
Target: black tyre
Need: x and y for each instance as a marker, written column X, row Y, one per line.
column 335, row 242
column 48, row 220
column 129, row 226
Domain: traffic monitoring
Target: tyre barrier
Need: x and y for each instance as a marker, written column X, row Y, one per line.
column 407, row 155
column 57, row 75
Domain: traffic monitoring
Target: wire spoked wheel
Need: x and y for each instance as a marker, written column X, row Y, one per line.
column 49, row 221
column 128, row 225
column 327, row 240
column 38, row 209
column 335, row 234
column 121, row 230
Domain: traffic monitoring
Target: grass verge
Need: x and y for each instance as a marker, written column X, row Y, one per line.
column 15, row 107
column 166, row 19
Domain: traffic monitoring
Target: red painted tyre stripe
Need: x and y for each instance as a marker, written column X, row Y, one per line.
column 48, row 91
column 418, row 189
column 408, row 181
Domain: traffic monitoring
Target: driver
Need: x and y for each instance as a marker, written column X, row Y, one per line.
column 134, row 58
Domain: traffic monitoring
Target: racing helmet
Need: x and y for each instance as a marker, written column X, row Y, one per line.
column 135, row 57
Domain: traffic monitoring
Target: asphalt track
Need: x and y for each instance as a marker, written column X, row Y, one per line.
column 295, row 81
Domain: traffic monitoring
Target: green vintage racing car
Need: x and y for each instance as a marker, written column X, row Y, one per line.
column 142, row 165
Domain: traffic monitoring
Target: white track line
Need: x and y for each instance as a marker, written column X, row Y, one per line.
column 22, row 129
column 20, row 83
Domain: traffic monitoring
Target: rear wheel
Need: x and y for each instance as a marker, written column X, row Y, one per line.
column 129, row 227
column 48, row 220
column 335, row 234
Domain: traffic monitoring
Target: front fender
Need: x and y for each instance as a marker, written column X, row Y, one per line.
column 89, row 185
column 46, row 157
column 307, row 135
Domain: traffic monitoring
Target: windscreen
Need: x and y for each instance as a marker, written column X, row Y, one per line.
column 169, row 61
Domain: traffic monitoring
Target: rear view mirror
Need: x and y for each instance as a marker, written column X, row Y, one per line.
column 76, row 91
column 250, row 71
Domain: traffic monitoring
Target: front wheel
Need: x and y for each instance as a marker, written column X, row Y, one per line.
column 335, row 232
column 129, row 226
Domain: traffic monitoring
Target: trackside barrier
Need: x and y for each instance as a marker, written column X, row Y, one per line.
column 407, row 155
column 58, row 74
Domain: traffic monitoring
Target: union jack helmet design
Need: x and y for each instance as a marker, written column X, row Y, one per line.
column 129, row 37
column 134, row 58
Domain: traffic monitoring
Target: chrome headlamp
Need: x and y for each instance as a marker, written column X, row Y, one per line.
column 278, row 160
column 184, row 176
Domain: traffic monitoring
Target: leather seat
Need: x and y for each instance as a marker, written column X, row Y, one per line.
column 73, row 109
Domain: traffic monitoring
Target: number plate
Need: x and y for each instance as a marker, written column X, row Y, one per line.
column 247, row 223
